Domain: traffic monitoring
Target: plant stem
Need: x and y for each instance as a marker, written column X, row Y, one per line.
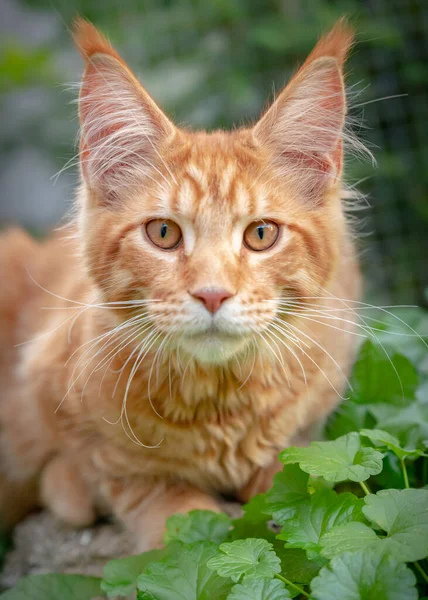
column 404, row 468
column 422, row 572
column 365, row 488
column 293, row 585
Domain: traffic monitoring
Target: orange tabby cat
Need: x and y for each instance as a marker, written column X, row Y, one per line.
column 179, row 352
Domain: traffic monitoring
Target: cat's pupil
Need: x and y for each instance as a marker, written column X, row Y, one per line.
column 163, row 230
column 261, row 232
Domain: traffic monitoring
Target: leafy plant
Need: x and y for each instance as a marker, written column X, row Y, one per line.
column 346, row 518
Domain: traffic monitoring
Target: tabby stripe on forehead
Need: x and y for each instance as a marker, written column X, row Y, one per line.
column 243, row 197
column 177, row 204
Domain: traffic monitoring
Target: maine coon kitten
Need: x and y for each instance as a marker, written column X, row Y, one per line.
column 181, row 349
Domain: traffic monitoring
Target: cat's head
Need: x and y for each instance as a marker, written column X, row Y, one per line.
column 212, row 229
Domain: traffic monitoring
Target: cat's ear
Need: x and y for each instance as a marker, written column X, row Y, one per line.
column 304, row 126
column 121, row 126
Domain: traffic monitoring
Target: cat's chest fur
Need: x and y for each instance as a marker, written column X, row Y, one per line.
column 212, row 428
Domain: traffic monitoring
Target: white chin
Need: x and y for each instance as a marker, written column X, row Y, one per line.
column 212, row 349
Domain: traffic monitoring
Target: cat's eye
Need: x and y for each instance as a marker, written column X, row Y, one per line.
column 164, row 233
column 261, row 235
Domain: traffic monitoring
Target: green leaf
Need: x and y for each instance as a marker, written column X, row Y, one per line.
column 55, row 587
column 339, row 460
column 348, row 417
column 403, row 514
column 349, row 537
column 297, row 567
column 409, row 424
column 184, row 575
column 317, row 483
column 386, row 440
column 290, row 487
column 254, row 521
column 120, row 575
column 196, row 526
column 378, row 377
column 317, row 516
column 262, row 589
column 252, row 558
column 392, row 473
column 364, row 575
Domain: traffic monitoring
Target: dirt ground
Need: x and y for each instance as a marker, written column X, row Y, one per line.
column 42, row 544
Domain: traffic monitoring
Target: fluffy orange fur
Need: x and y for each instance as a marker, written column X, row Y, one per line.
column 129, row 393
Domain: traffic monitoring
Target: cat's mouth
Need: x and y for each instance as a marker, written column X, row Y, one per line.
column 214, row 334
column 213, row 345
column 225, row 332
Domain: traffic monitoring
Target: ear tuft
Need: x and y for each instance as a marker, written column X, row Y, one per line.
column 90, row 41
column 122, row 128
column 335, row 44
column 305, row 125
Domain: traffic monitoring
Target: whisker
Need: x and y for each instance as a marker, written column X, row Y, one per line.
column 159, row 350
column 254, row 346
column 291, row 350
column 379, row 341
column 299, row 331
column 280, row 359
column 93, row 343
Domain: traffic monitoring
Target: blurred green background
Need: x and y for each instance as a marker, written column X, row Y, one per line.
column 215, row 63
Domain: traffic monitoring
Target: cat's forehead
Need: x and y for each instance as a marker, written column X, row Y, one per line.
column 219, row 178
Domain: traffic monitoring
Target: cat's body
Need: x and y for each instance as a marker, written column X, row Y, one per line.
column 204, row 412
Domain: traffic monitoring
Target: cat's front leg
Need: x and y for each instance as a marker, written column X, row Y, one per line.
column 64, row 491
column 144, row 505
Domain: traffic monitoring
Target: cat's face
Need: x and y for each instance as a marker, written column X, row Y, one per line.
column 212, row 230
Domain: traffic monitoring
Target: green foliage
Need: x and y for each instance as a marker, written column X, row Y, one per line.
column 404, row 414
column 364, row 575
column 390, row 442
column 403, row 514
column 344, row 530
column 262, row 589
column 254, row 520
column 339, row 460
column 349, row 537
column 290, row 488
column 184, row 575
column 120, row 575
column 251, row 558
column 196, row 526
column 53, row 587
column 316, row 516
column 19, row 67
column 375, row 378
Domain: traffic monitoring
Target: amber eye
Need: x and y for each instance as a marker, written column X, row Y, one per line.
column 164, row 233
column 261, row 235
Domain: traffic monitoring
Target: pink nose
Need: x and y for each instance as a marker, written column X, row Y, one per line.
column 212, row 299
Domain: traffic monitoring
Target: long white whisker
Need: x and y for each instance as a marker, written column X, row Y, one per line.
column 277, row 328
column 288, row 325
column 279, row 358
